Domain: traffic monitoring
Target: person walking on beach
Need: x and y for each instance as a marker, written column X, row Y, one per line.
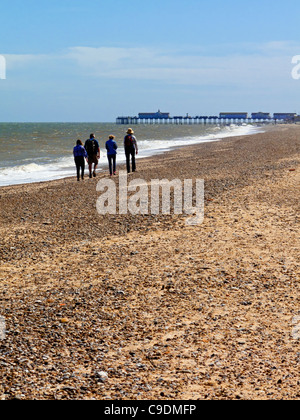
column 131, row 149
column 111, row 147
column 79, row 154
column 93, row 151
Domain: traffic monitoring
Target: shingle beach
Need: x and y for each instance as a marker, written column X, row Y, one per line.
column 146, row 307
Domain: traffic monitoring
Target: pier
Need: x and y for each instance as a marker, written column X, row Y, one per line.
column 222, row 118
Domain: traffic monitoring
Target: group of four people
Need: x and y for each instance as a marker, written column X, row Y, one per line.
column 91, row 152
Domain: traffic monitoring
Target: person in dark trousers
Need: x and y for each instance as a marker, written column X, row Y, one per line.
column 111, row 147
column 93, row 151
column 79, row 154
column 131, row 149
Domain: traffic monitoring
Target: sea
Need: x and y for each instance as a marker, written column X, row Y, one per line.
column 37, row 152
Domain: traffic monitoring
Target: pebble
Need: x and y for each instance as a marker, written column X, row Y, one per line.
column 102, row 376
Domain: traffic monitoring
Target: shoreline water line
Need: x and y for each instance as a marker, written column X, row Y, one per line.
column 48, row 168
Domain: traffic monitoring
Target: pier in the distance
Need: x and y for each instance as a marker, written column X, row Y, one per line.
column 223, row 118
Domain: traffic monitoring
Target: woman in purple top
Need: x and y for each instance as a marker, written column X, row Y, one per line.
column 80, row 154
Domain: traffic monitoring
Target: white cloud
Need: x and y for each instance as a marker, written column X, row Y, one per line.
column 252, row 64
column 15, row 61
column 226, row 76
column 180, row 68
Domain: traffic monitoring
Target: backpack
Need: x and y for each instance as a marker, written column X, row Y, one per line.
column 129, row 142
column 91, row 147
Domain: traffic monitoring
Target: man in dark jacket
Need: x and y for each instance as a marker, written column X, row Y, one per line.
column 93, row 151
column 131, row 149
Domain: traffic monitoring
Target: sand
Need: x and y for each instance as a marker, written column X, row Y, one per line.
column 145, row 307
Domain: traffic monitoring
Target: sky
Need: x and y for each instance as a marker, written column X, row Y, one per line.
column 95, row 60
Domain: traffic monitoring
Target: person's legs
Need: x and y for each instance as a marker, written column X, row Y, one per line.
column 90, row 163
column 133, row 160
column 95, row 165
column 127, row 153
column 109, row 157
column 82, row 167
column 114, row 164
column 77, row 163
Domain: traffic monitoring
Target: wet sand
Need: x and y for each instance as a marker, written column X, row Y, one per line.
column 145, row 307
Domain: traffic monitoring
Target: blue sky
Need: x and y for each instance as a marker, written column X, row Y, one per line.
column 92, row 60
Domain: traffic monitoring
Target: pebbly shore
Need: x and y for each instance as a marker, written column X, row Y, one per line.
column 145, row 307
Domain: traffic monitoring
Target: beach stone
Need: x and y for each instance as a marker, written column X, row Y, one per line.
column 102, row 376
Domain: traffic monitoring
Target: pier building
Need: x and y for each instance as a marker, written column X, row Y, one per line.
column 261, row 116
column 234, row 115
column 154, row 115
column 288, row 116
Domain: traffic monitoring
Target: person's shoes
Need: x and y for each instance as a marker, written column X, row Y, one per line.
column 114, row 173
column 90, row 175
column 94, row 174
